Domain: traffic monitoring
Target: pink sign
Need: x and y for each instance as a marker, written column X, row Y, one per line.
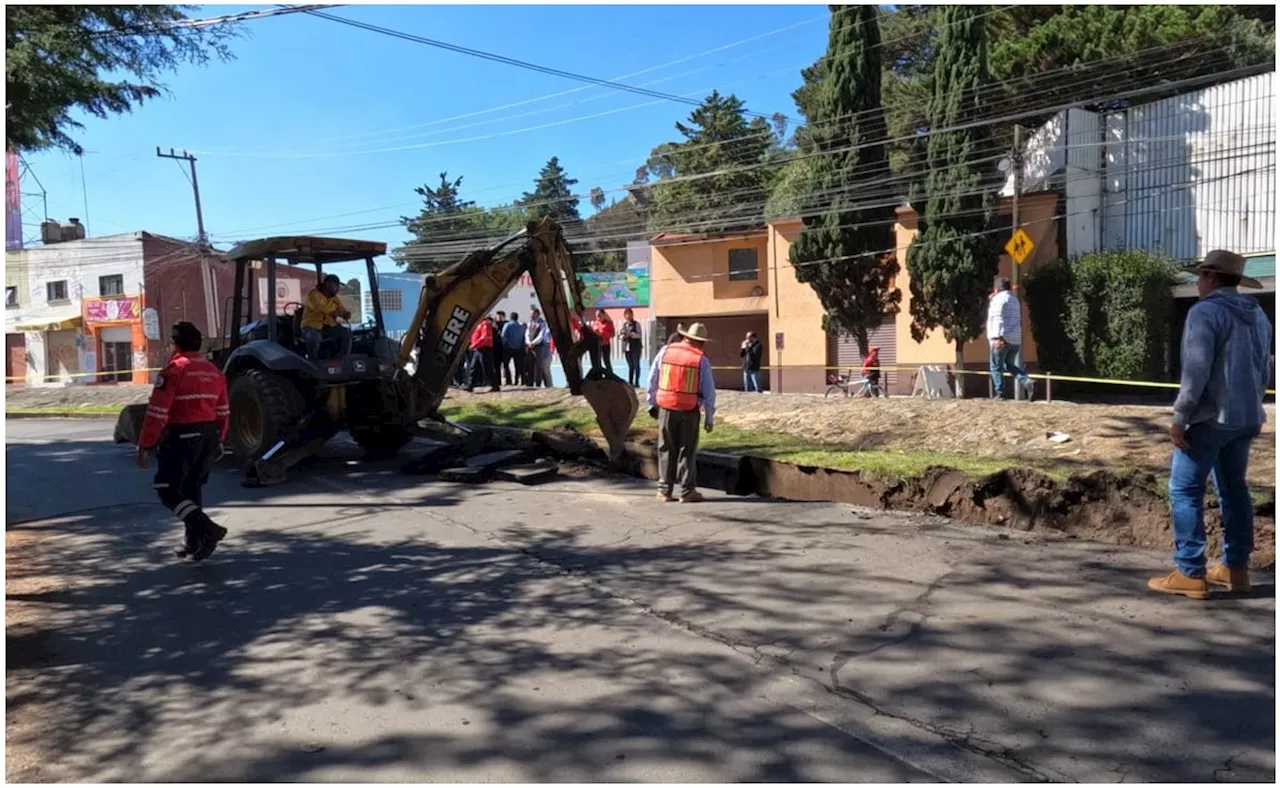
column 101, row 310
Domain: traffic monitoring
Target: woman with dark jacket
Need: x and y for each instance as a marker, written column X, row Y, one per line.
column 633, row 344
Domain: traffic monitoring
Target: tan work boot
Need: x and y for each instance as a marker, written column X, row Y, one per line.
column 664, row 497
column 1234, row 580
column 1177, row 583
column 693, row 497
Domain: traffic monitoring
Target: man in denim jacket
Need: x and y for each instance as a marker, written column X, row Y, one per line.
column 1226, row 352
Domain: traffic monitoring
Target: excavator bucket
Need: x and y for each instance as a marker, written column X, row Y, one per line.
column 615, row 403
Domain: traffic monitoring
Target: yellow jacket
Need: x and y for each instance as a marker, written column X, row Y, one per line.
column 321, row 310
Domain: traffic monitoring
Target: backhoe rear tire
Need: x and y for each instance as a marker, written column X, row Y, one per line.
column 382, row 441
column 263, row 406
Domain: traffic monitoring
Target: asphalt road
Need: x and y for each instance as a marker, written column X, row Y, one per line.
column 362, row 625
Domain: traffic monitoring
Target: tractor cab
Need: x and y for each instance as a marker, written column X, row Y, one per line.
column 276, row 390
column 262, row 327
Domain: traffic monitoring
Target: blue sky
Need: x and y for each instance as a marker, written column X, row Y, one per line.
column 286, row 134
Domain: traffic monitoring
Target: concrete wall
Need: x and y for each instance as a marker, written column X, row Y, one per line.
column 1038, row 217
column 691, row 277
column 796, row 313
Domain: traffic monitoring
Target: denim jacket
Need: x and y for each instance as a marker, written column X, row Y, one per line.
column 1226, row 359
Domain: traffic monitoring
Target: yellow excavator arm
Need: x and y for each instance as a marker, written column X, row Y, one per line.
column 456, row 299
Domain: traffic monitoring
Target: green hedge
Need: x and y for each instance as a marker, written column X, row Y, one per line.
column 1106, row 315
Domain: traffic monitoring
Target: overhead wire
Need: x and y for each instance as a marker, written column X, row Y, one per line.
column 797, row 157
column 1041, row 78
column 1145, row 54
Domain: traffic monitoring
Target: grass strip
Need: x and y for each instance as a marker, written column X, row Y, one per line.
column 732, row 440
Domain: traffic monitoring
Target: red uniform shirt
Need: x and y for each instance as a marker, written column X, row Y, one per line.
column 189, row 390
column 482, row 337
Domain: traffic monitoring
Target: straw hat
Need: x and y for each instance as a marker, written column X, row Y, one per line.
column 1223, row 262
column 697, row 332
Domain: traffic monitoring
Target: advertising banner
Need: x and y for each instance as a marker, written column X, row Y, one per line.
column 12, row 203
column 106, row 310
column 612, row 290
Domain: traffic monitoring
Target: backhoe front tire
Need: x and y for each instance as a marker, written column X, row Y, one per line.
column 263, row 406
column 382, row 441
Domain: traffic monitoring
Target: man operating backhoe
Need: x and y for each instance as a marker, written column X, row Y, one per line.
column 320, row 318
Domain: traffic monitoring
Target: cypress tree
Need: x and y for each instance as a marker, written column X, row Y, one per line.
column 843, row 252
column 953, row 259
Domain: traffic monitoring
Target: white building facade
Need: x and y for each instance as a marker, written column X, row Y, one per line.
column 1180, row 176
column 52, row 291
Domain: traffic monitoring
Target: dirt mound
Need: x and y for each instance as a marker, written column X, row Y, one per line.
column 1108, row 437
column 1121, row 509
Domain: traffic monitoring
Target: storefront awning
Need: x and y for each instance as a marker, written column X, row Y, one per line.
column 50, row 324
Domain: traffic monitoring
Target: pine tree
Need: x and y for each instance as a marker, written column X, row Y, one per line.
column 444, row 217
column 843, row 252
column 721, row 144
column 553, row 196
column 953, row 259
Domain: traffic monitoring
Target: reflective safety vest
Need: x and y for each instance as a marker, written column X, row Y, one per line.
column 679, row 377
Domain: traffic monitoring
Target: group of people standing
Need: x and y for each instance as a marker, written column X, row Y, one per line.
column 502, row 349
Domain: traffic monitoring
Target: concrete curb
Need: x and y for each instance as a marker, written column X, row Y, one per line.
column 61, row 414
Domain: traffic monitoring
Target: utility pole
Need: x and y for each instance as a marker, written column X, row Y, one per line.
column 195, row 187
column 1018, row 225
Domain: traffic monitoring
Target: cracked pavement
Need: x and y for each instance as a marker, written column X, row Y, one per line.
column 362, row 625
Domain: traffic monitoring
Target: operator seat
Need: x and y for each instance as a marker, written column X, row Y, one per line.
column 328, row 346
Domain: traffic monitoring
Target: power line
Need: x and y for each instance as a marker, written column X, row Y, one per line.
column 903, row 177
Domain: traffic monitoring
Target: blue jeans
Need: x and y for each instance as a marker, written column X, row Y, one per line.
column 314, row 336
column 751, row 380
column 1010, row 356
column 1224, row 454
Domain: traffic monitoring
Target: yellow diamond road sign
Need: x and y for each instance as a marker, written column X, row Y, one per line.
column 1020, row 246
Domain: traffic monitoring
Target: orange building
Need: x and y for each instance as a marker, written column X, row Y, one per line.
column 744, row 281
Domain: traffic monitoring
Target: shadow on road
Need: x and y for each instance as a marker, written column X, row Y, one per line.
column 1044, row 659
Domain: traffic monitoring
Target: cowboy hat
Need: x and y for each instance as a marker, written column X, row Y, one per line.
column 1223, row 262
column 697, row 332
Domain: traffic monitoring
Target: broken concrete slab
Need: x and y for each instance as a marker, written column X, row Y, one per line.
column 528, row 474
column 433, row 461
column 496, row 459
column 466, row 474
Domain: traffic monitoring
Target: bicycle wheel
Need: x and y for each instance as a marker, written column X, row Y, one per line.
column 833, row 389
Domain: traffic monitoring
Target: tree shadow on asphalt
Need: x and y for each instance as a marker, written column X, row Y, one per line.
column 1055, row 667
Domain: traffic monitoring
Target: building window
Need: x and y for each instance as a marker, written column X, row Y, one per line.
column 56, row 291
column 111, row 285
column 10, row 297
column 743, row 265
column 391, row 301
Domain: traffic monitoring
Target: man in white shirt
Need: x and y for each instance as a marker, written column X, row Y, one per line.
column 1004, row 332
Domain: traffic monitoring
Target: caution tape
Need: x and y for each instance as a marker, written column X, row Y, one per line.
column 1047, row 376
column 85, row 375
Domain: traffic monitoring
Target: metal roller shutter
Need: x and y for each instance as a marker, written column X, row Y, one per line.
column 842, row 350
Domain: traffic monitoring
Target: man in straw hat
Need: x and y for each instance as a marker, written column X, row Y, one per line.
column 680, row 382
column 1226, row 349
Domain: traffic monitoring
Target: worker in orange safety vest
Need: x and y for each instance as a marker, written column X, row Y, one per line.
column 681, row 383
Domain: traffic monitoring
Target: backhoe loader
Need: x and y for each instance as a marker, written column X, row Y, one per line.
column 285, row 406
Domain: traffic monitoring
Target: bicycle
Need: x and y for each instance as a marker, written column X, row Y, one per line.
column 852, row 385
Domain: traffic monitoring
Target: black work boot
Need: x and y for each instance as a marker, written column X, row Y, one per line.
column 190, row 542
column 209, row 542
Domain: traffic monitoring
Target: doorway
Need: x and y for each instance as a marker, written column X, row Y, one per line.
column 117, row 362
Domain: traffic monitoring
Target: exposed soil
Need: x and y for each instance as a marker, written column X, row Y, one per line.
column 1123, row 509
column 1115, row 437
